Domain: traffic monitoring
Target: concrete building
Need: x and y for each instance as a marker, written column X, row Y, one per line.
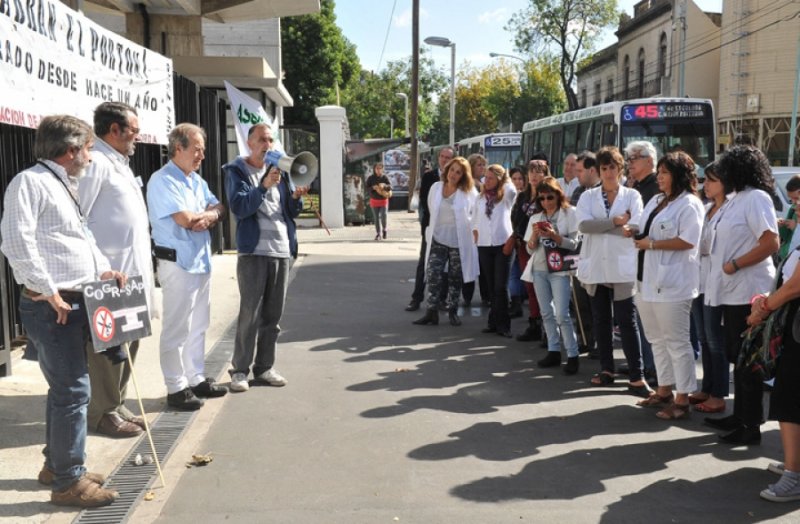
column 667, row 48
column 758, row 67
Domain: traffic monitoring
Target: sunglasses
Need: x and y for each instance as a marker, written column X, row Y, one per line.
column 546, row 197
column 633, row 158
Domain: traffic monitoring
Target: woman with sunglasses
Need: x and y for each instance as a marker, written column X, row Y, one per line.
column 667, row 239
column 554, row 225
column 607, row 267
column 491, row 226
column 708, row 319
column 451, row 244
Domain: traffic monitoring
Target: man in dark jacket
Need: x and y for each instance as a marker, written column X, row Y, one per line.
column 641, row 158
column 428, row 179
column 265, row 203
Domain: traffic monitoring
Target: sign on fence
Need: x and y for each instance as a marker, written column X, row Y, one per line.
column 54, row 60
column 117, row 315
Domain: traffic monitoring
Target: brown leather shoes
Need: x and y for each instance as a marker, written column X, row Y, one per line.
column 139, row 421
column 47, row 476
column 84, row 493
column 112, row 425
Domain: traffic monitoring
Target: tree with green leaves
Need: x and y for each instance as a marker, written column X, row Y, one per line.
column 565, row 29
column 317, row 59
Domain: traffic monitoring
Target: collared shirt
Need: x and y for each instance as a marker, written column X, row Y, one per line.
column 568, row 187
column 171, row 191
column 112, row 200
column 43, row 235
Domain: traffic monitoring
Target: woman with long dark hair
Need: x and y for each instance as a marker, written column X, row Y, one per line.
column 745, row 238
column 667, row 240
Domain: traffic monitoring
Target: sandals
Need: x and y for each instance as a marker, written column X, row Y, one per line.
column 704, row 408
column 674, row 412
column 656, row 401
column 604, row 378
column 698, row 399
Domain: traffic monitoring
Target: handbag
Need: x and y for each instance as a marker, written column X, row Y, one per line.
column 509, row 245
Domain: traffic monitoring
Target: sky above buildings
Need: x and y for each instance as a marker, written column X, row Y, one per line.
column 477, row 28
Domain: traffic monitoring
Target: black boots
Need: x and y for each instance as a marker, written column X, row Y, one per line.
column 454, row 320
column 515, row 307
column 533, row 332
column 571, row 367
column 431, row 317
column 552, row 359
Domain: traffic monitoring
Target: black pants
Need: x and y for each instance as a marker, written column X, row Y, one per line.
column 418, row 295
column 747, row 390
column 625, row 315
column 495, row 267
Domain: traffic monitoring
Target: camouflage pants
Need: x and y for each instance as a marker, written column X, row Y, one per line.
column 440, row 257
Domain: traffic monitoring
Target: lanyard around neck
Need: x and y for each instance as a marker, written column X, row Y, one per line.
column 71, row 196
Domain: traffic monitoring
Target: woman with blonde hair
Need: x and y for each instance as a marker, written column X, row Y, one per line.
column 491, row 226
column 451, row 202
column 555, row 226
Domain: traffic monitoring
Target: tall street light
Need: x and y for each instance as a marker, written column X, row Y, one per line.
column 496, row 55
column 445, row 42
column 405, row 99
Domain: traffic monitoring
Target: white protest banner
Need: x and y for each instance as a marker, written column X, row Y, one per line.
column 248, row 112
column 54, row 60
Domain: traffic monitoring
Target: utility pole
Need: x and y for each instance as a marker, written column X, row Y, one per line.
column 412, row 176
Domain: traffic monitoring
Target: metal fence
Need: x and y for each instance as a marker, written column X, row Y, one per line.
column 192, row 104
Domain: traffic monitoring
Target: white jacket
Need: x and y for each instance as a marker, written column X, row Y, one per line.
column 669, row 275
column 607, row 257
column 494, row 231
column 464, row 206
column 567, row 226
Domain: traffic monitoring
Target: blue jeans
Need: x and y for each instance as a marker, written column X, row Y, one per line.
column 515, row 285
column 553, row 293
column 62, row 359
column 716, row 370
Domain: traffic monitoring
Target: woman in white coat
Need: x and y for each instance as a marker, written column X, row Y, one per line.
column 491, row 225
column 669, row 279
column 607, row 267
column 451, row 243
column 555, row 226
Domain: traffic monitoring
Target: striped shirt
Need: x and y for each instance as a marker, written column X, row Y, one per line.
column 44, row 237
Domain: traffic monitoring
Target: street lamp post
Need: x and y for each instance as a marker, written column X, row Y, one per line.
column 445, row 42
column 405, row 99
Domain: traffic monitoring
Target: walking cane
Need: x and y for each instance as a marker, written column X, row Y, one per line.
column 577, row 311
column 144, row 417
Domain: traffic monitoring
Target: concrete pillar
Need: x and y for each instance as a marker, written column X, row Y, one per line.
column 331, row 163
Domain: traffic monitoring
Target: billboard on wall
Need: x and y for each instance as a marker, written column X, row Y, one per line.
column 54, row 60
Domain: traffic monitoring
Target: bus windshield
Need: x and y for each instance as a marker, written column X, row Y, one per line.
column 506, row 157
column 695, row 139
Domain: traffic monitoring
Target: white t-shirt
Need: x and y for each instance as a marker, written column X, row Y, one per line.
column 736, row 228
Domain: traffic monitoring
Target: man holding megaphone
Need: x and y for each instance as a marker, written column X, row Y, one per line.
column 265, row 203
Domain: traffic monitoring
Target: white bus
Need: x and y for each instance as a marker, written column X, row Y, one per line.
column 498, row 148
column 671, row 124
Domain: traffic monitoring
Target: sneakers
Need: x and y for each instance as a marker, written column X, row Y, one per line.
column 786, row 489
column 776, row 467
column 207, row 389
column 271, row 377
column 239, row 382
column 47, row 476
column 185, row 400
column 84, row 493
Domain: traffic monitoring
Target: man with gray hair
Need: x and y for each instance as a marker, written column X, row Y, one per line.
column 641, row 158
column 53, row 254
column 112, row 199
column 182, row 210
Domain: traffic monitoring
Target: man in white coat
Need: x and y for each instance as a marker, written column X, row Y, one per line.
column 111, row 196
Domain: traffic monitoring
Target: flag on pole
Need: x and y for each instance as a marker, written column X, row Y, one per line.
column 248, row 112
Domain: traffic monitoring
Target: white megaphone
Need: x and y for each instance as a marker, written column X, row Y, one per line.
column 302, row 168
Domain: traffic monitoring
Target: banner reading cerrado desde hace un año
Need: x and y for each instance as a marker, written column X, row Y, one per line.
column 54, row 60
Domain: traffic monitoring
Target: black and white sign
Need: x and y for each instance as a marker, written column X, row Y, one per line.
column 117, row 315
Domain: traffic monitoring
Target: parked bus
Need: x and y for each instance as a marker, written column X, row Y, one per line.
column 671, row 124
column 498, row 148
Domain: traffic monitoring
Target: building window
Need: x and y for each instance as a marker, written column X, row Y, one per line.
column 641, row 73
column 626, row 77
column 610, row 90
column 662, row 56
column 597, row 95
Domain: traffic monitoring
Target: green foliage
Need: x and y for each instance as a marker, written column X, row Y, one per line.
column 371, row 100
column 316, row 59
column 564, row 29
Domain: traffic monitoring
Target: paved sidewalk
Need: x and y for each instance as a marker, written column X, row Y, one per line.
column 383, row 421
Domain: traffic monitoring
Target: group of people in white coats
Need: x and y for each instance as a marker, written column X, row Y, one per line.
column 675, row 261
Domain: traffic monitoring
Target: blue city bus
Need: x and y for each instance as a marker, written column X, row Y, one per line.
column 671, row 124
column 498, row 148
